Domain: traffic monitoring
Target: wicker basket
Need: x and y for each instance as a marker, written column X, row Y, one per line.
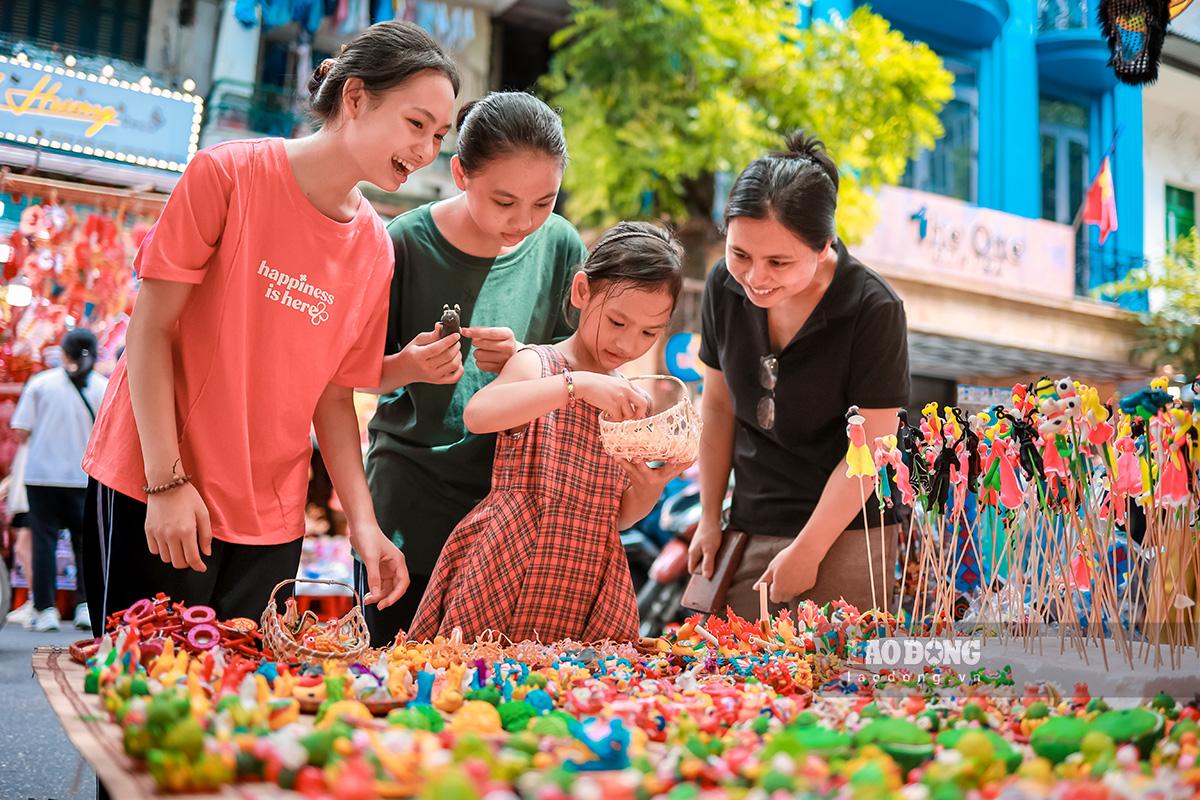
column 350, row 631
column 671, row 435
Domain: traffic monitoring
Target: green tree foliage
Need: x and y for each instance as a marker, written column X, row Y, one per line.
column 658, row 96
column 1171, row 332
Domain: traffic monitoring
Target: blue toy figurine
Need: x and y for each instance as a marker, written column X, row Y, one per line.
column 612, row 751
column 425, row 680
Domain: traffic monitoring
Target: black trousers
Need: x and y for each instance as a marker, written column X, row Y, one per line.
column 384, row 625
column 52, row 509
column 121, row 569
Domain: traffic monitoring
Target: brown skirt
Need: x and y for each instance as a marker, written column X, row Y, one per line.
column 845, row 572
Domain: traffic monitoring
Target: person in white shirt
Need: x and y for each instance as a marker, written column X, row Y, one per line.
column 16, row 505
column 55, row 415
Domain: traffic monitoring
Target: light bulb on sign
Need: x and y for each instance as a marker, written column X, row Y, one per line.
column 107, row 70
column 69, row 60
column 189, row 85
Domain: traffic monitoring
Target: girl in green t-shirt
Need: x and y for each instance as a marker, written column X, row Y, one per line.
column 499, row 253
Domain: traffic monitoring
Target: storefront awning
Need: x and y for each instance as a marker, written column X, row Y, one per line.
column 88, row 170
column 951, row 358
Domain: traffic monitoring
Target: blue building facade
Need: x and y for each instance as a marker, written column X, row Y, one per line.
column 1036, row 110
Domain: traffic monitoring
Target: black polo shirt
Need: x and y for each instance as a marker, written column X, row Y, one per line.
column 852, row 350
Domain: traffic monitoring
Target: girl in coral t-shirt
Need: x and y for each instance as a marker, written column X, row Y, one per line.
column 264, row 303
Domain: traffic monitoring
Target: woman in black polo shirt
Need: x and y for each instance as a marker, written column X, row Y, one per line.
column 794, row 331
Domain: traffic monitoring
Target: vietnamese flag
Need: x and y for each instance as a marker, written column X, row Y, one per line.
column 1100, row 207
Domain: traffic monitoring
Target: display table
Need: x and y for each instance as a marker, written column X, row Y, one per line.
column 99, row 741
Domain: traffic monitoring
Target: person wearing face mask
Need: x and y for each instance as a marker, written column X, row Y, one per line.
column 55, row 416
column 795, row 330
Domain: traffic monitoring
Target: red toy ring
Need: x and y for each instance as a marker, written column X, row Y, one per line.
column 199, row 615
column 203, row 637
column 138, row 610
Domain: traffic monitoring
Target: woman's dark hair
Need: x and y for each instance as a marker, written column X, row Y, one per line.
column 383, row 56
column 633, row 255
column 503, row 123
column 797, row 186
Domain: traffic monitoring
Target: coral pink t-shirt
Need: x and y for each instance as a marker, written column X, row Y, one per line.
column 286, row 301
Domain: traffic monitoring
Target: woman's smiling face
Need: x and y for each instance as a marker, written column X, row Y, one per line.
column 770, row 262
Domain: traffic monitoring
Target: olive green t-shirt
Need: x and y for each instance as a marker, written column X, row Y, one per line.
column 424, row 469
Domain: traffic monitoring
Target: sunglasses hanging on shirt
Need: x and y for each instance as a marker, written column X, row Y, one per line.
column 768, row 376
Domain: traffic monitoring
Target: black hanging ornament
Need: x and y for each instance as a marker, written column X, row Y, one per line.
column 1135, row 30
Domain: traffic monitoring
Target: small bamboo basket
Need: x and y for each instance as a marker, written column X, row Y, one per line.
column 348, row 636
column 670, row 435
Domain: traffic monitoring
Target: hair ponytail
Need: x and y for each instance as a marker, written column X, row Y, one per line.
column 382, row 56
column 797, row 186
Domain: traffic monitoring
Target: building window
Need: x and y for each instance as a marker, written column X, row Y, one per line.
column 1064, row 132
column 951, row 168
column 114, row 28
column 1064, row 15
column 1181, row 214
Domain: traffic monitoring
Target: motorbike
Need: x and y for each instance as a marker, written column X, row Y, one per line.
column 644, row 541
column 659, row 599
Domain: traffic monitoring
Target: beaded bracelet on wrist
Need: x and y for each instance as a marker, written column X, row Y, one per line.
column 168, row 486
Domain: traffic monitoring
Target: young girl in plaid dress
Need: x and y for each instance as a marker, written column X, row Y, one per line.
column 540, row 557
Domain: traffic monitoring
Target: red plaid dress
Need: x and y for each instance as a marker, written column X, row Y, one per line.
column 540, row 557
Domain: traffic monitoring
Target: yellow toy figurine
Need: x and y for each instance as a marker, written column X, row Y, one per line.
column 478, row 717
column 687, row 639
column 165, row 661
column 282, row 711
column 450, row 698
column 859, row 462
column 930, row 414
column 198, row 700
column 285, row 683
column 262, row 689
column 181, row 669
column 348, row 710
column 951, row 430
column 400, row 683
column 309, row 689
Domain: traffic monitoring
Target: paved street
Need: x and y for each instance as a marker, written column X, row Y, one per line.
column 36, row 760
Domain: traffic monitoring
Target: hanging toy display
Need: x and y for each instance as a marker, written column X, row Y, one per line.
column 1135, row 30
column 77, row 263
column 1021, row 518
